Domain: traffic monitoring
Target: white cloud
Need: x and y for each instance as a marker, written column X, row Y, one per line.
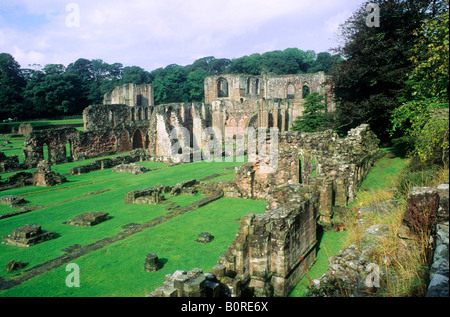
column 159, row 32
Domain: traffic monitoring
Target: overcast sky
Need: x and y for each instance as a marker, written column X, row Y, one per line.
column 156, row 33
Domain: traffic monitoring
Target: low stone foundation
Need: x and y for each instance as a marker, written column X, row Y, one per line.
column 132, row 168
column 153, row 195
column 12, row 200
column 88, row 219
column 20, row 179
column 26, row 236
column 195, row 283
column 101, row 164
column 9, row 163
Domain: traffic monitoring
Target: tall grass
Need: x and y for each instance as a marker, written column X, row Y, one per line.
column 405, row 262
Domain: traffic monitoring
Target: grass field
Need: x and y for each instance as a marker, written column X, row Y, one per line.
column 118, row 268
column 38, row 123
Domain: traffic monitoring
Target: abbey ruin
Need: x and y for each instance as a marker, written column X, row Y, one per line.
column 315, row 171
column 129, row 118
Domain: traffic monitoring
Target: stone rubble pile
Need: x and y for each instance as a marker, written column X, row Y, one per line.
column 44, row 176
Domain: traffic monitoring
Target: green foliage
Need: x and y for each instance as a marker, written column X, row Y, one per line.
column 430, row 56
column 315, row 117
column 371, row 79
column 52, row 90
column 135, row 75
column 289, row 61
column 423, row 115
column 12, row 84
column 195, row 84
column 56, row 93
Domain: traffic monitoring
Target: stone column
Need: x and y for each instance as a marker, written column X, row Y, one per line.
column 275, row 117
column 340, row 192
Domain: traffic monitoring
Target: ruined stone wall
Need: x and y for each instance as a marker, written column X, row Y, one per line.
column 240, row 101
column 112, row 129
column 9, row 163
column 131, row 95
column 272, row 250
column 55, row 142
column 330, row 166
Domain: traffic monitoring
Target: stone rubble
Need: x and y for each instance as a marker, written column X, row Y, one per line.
column 88, row 219
column 44, row 176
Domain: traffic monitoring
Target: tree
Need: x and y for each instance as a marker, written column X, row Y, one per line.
column 170, row 84
column 55, row 94
column 423, row 116
column 315, row 117
column 195, row 85
column 97, row 77
column 12, row 84
column 135, row 75
column 324, row 62
column 371, row 79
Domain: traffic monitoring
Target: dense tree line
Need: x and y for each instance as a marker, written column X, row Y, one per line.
column 54, row 90
column 394, row 76
column 374, row 78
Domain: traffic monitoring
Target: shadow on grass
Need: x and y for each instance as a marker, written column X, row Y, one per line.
column 319, row 236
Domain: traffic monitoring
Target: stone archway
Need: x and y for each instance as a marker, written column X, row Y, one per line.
column 230, row 127
column 124, row 142
column 242, row 125
column 222, row 88
column 138, row 140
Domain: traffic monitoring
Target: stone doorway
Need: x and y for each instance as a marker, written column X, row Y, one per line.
column 124, row 142
column 138, row 140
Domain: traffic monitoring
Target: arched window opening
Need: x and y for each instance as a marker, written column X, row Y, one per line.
column 124, row 142
column 222, row 88
column 46, row 152
column 290, row 91
column 69, row 150
column 306, row 91
column 300, row 169
column 138, row 140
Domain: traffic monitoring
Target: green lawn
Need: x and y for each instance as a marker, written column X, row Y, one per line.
column 117, row 269
column 38, row 123
column 383, row 172
column 14, row 148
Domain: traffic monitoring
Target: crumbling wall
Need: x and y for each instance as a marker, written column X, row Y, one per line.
column 131, row 95
column 55, row 140
column 274, row 101
column 9, row 163
column 271, row 250
column 332, row 167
